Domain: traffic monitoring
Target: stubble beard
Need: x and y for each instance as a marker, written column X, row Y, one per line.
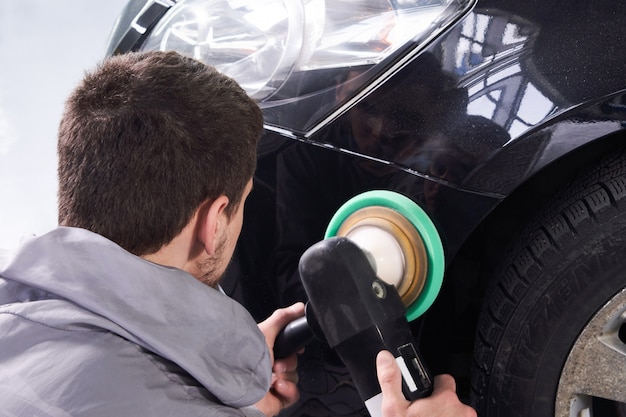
column 212, row 269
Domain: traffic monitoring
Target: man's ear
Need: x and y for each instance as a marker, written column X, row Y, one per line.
column 211, row 222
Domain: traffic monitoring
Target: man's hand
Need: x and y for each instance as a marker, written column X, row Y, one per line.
column 442, row 403
column 283, row 390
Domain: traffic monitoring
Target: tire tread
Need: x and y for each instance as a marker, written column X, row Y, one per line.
column 572, row 213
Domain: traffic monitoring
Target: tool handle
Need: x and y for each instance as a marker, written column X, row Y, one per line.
column 292, row 338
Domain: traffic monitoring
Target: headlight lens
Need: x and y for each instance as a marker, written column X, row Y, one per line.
column 285, row 49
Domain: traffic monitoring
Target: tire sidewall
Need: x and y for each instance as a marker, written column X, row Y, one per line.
column 571, row 277
column 545, row 326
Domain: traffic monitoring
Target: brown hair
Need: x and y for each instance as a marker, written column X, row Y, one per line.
column 145, row 139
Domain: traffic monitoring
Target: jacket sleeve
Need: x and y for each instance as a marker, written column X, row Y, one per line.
column 251, row 411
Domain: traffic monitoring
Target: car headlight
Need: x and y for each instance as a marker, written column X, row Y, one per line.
column 282, row 51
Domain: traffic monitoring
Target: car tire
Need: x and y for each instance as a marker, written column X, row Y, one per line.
column 559, row 297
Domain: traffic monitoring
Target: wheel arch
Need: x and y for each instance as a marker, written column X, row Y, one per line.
column 561, row 149
column 471, row 266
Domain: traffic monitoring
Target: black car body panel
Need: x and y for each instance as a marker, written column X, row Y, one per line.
column 479, row 128
column 462, row 126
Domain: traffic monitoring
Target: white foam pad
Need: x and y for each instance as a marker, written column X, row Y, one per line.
column 384, row 249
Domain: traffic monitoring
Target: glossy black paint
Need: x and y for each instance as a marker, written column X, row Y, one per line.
column 509, row 90
column 478, row 129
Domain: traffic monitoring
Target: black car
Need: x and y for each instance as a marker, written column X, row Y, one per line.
column 505, row 121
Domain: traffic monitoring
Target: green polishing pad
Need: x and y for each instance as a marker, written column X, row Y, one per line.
column 425, row 228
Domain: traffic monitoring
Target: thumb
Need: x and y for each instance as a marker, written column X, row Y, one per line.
column 279, row 319
column 390, row 380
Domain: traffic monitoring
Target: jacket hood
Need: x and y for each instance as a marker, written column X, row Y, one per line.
column 164, row 310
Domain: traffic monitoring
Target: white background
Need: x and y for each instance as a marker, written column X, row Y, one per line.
column 45, row 48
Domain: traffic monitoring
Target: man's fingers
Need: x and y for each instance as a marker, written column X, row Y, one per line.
column 444, row 382
column 286, row 391
column 279, row 319
column 443, row 402
column 288, row 364
column 390, row 380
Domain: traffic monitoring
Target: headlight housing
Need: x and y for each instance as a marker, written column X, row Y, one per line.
column 314, row 55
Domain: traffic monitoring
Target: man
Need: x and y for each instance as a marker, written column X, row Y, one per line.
column 118, row 311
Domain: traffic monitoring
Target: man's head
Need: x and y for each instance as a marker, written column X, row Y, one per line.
column 145, row 140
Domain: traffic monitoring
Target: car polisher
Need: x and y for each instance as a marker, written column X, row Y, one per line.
column 379, row 266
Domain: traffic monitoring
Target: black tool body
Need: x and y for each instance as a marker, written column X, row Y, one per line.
column 360, row 315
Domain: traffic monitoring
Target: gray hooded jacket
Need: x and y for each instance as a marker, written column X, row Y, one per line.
column 88, row 329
